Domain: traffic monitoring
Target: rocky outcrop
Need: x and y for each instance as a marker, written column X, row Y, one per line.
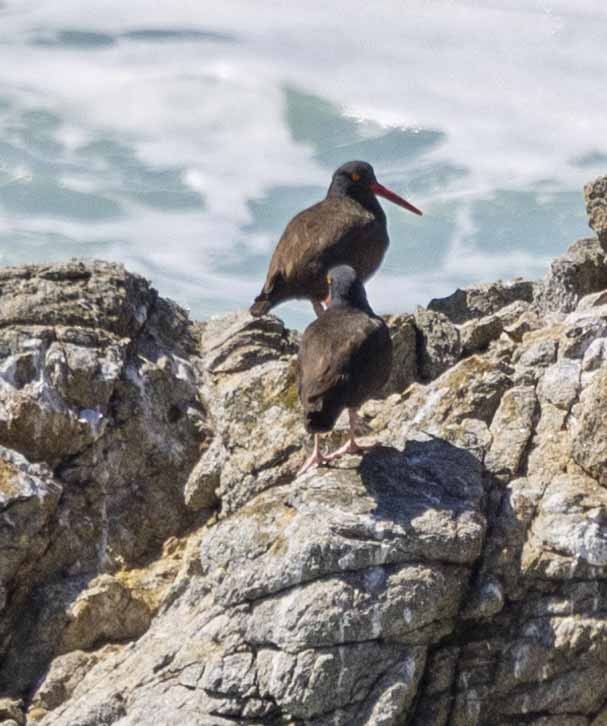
column 595, row 194
column 101, row 415
column 161, row 564
column 481, row 301
column 581, row 271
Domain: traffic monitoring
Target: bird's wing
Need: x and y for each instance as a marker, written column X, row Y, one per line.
column 326, row 358
column 310, row 237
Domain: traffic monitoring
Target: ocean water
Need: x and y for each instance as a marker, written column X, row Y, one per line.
column 180, row 137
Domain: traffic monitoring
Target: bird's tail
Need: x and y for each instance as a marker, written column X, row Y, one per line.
column 261, row 306
column 269, row 296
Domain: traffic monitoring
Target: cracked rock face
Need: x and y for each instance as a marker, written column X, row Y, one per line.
column 160, row 562
column 100, row 414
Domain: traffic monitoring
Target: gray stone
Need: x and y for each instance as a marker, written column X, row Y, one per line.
column 589, row 429
column 595, row 355
column 484, row 601
column 438, row 343
column 250, row 389
column 78, row 294
column 476, row 335
column 594, row 300
column 582, row 270
column 595, row 195
column 106, row 611
column 29, row 496
column 201, row 487
column 528, row 321
column 11, row 712
column 580, row 329
column 478, row 301
column 511, row 430
column 64, row 674
column 568, row 538
column 404, row 356
column 537, row 352
column 238, row 342
column 560, row 384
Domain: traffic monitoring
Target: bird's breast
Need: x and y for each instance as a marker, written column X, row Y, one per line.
column 366, row 252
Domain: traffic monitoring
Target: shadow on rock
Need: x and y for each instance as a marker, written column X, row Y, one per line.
column 434, row 471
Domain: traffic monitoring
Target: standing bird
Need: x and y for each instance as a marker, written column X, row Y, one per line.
column 344, row 359
column 347, row 227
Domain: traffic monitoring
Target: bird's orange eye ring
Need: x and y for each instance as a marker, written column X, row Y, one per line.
column 355, row 176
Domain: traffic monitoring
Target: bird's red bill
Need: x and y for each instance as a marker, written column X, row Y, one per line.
column 381, row 191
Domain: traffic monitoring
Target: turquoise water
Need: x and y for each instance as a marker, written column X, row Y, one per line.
column 180, row 138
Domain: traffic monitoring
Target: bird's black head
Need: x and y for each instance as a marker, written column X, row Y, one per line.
column 345, row 289
column 353, row 179
column 357, row 180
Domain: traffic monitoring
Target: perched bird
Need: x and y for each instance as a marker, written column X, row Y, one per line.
column 347, row 227
column 344, row 359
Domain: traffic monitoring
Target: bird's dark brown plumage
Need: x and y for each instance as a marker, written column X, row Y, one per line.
column 344, row 359
column 347, row 227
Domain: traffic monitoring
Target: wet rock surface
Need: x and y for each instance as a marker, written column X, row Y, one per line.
column 161, row 564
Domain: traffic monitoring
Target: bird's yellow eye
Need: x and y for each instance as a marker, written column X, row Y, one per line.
column 355, row 176
column 329, row 280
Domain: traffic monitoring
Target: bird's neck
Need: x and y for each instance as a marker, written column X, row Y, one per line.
column 355, row 300
column 365, row 197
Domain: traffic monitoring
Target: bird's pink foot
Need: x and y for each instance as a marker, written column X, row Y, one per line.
column 351, row 447
column 317, row 458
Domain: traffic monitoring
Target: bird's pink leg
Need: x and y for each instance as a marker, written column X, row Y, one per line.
column 352, row 446
column 316, row 458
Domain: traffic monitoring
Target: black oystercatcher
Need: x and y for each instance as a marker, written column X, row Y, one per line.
column 347, row 227
column 344, row 359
